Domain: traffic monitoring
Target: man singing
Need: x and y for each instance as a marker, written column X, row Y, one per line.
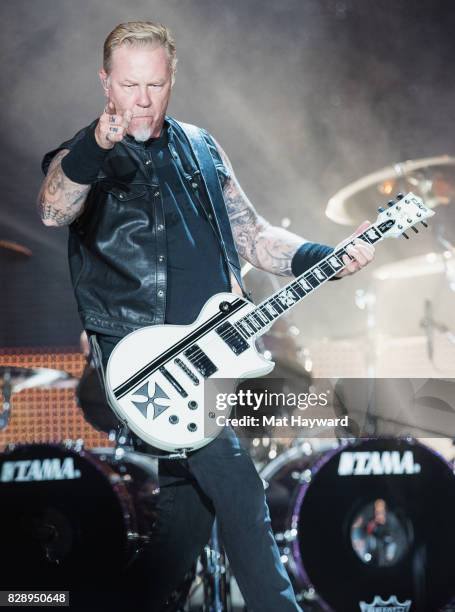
column 151, row 237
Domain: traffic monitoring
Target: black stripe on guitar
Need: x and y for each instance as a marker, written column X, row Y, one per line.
column 177, row 348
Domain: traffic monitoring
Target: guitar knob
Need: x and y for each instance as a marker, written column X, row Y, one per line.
column 192, row 405
column 192, row 426
column 173, row 419
column 225, row 306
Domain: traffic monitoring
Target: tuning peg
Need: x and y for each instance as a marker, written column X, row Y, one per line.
column 414, row 229
column 380, row 209
column 405, row 236
column 424, row 224
column 400, row 196
column 390, row 202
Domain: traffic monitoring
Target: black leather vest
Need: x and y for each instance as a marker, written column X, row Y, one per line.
column 117, row 247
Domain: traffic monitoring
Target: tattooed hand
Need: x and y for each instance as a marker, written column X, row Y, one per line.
column 111, row 127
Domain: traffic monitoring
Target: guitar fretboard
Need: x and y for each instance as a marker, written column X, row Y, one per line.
column 288, row 296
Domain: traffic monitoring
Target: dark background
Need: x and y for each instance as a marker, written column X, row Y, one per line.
column 304, row 95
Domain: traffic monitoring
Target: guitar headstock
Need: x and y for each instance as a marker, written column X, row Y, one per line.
column 402, row 214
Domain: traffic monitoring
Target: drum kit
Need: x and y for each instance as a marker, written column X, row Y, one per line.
column 361, row 524
column 412, row 296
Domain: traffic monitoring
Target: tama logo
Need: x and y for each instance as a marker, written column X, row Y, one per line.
column 32, row 470
column 391, row 605
column 368, row 463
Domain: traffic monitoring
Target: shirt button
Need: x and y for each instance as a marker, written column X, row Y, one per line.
column 156, row 194
column 160, row 293
column 161, row 258
column 121, row 196
column 160, row 227
column 194, row 185
column 210, row 216
column 149, row 161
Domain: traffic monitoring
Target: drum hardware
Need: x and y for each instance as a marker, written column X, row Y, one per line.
column 288, row 536
column 133, row 536
column 7, row 389
column 216, row 586
column 75, row 445
column 304, row 476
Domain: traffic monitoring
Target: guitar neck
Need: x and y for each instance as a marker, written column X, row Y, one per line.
column 278, row 304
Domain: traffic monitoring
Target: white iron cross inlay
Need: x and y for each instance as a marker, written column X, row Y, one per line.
column 286, row 297
column 159, row 400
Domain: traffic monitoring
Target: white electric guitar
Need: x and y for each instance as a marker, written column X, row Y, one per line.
column 157, row 376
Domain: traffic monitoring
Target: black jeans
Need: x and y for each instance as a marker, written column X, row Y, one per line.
column 219, row 479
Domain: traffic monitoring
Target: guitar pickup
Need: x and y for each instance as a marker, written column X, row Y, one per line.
column 232, row 337
column 194, row 379
column 174, row 382
column 203, row 364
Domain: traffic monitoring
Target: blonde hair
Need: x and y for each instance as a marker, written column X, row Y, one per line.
column 140, row 33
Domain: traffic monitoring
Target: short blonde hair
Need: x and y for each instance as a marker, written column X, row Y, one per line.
column 137, row 33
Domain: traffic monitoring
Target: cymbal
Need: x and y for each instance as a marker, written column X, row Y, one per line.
column 431, row 178
column 42, row 378
column 13, row 251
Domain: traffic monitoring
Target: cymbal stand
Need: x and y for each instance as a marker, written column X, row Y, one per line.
column 7, row 389
column 366, row 300
column 216, row 589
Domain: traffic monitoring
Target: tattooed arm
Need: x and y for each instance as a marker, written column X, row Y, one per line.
column 272, row 248
column 60, row 200
column 263, row 245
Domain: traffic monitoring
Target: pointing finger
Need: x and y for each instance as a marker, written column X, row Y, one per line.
column 110, row 108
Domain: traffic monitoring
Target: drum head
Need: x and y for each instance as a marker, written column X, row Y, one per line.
column 64, row 515
column 376, row 520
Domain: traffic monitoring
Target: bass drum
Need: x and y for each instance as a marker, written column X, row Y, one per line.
column 366, row 524
column 76, row 520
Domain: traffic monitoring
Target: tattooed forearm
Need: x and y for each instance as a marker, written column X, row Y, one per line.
column 265, row 246
column 60, row 200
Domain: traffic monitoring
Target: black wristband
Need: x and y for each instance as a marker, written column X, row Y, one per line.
column 308, row 255
column 83, row 162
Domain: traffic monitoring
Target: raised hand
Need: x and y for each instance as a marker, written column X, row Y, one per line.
column 111, row 127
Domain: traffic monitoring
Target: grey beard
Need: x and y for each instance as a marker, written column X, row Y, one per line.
column 141, row 134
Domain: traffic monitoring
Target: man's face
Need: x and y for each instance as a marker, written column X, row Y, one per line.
column 141, row 81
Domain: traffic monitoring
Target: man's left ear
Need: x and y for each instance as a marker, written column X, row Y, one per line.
column 104, row 78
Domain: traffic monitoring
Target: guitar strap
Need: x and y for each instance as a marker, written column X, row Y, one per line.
column 210, row 179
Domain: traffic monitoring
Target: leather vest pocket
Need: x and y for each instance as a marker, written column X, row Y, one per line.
column 123, row 192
